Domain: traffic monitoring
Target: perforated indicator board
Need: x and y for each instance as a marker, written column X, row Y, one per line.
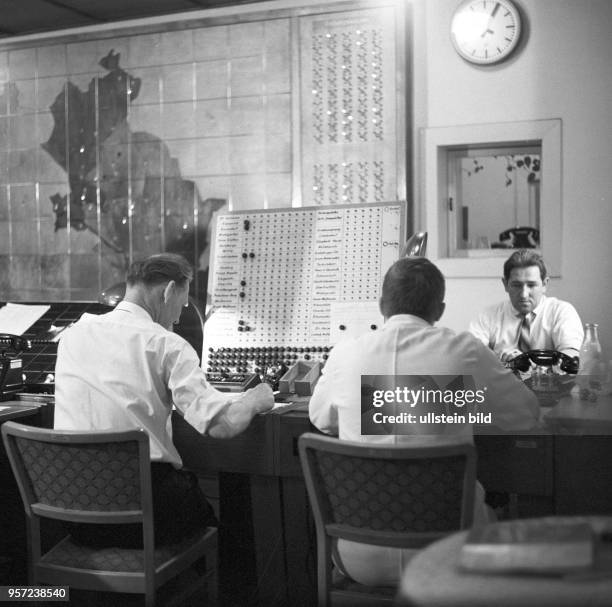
column 275, row 275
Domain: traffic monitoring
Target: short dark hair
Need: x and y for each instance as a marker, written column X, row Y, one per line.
column 412, row 285
column 524, row 258
column 159, row 269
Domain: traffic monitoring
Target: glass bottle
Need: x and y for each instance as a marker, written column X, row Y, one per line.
column 589, row 373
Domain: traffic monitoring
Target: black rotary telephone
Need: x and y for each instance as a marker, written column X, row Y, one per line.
column 521, row 237
column 11, row 378
column 544, row 358
column 13, row 344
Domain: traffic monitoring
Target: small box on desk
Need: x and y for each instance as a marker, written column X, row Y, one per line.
column 301, row 378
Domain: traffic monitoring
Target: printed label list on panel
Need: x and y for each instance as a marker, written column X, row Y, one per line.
column 275, row 275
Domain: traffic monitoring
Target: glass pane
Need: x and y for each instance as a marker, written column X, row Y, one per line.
column 497, row 199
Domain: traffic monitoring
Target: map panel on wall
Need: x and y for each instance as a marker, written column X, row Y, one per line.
column 120, row 145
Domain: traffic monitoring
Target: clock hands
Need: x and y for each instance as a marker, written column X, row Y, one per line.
column 491, row 19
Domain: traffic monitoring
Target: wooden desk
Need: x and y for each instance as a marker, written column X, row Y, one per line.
column 12, row 521
column 265, row 507
column 14, row 410
column 578, row 417
column 432, row 579
column 267, row 531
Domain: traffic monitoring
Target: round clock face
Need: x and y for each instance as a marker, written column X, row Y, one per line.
column 485, row 31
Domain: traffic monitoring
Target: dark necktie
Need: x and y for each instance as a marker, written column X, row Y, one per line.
column 524, row 340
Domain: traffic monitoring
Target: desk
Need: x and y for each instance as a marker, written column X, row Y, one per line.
column 431, row 579
column 267, row 531
column 263, row 497
column 578, row 417
column 12, row 521
column 14, row 410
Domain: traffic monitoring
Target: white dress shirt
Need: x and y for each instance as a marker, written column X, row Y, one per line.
column 408, row 345
column 555, row 325
column 121, row 370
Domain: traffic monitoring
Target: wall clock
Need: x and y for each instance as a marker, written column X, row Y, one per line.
column 486, row 31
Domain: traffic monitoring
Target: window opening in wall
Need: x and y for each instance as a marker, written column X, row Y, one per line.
column 493, row 199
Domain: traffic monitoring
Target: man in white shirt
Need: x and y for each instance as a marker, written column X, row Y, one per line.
column 409, row 344
column 126, row 369
column 528, row 320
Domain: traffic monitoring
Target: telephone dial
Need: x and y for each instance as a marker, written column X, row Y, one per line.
column 544, row 358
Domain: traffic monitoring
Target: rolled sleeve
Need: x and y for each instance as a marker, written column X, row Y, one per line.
column 322, row 410
column 192, row 395
column 568, row 331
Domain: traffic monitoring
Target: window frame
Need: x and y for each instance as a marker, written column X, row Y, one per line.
column 439, row 142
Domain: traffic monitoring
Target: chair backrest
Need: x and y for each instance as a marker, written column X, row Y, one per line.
column 92, row 477
column 392, row 495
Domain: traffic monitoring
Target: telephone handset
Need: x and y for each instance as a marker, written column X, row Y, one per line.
column 545, row 358
column 13, row 344
column 521, row 237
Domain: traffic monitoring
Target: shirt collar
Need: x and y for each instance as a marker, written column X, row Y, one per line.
column 132, row 308
column 407, row 318
column 534, row 312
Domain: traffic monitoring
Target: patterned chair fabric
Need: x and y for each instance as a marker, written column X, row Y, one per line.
column 386, row 495
column 69, row 554
column 393, row 495
column 104, row 477
column 83, row 477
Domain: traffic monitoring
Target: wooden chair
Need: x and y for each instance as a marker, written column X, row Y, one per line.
column 392, row 495
column 100, row 477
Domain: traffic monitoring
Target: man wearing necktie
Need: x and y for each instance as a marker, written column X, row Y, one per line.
column 529, row 319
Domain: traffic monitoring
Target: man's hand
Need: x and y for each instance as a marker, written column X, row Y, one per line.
column 510, row 354
column 238, row 414
column 261, row 397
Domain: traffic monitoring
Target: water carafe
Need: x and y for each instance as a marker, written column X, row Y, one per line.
column 591, row 371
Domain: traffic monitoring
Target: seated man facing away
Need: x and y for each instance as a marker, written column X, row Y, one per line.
column 409, row 344
column 124, row 370
column 528, row 320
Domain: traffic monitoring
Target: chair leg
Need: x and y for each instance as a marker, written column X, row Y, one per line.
column 150, row 598
column 212, row 587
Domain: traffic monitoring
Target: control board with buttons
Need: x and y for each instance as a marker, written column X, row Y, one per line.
column 281, row 281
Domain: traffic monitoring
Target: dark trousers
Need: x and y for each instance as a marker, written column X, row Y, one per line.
column 179, row 509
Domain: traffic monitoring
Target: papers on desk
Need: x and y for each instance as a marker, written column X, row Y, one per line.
column 16, row 319
column 525, row 546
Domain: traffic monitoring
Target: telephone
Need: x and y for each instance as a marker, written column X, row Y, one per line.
column 13, row 343
column 544, row 358
column 11, row 365
column 521, row 238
